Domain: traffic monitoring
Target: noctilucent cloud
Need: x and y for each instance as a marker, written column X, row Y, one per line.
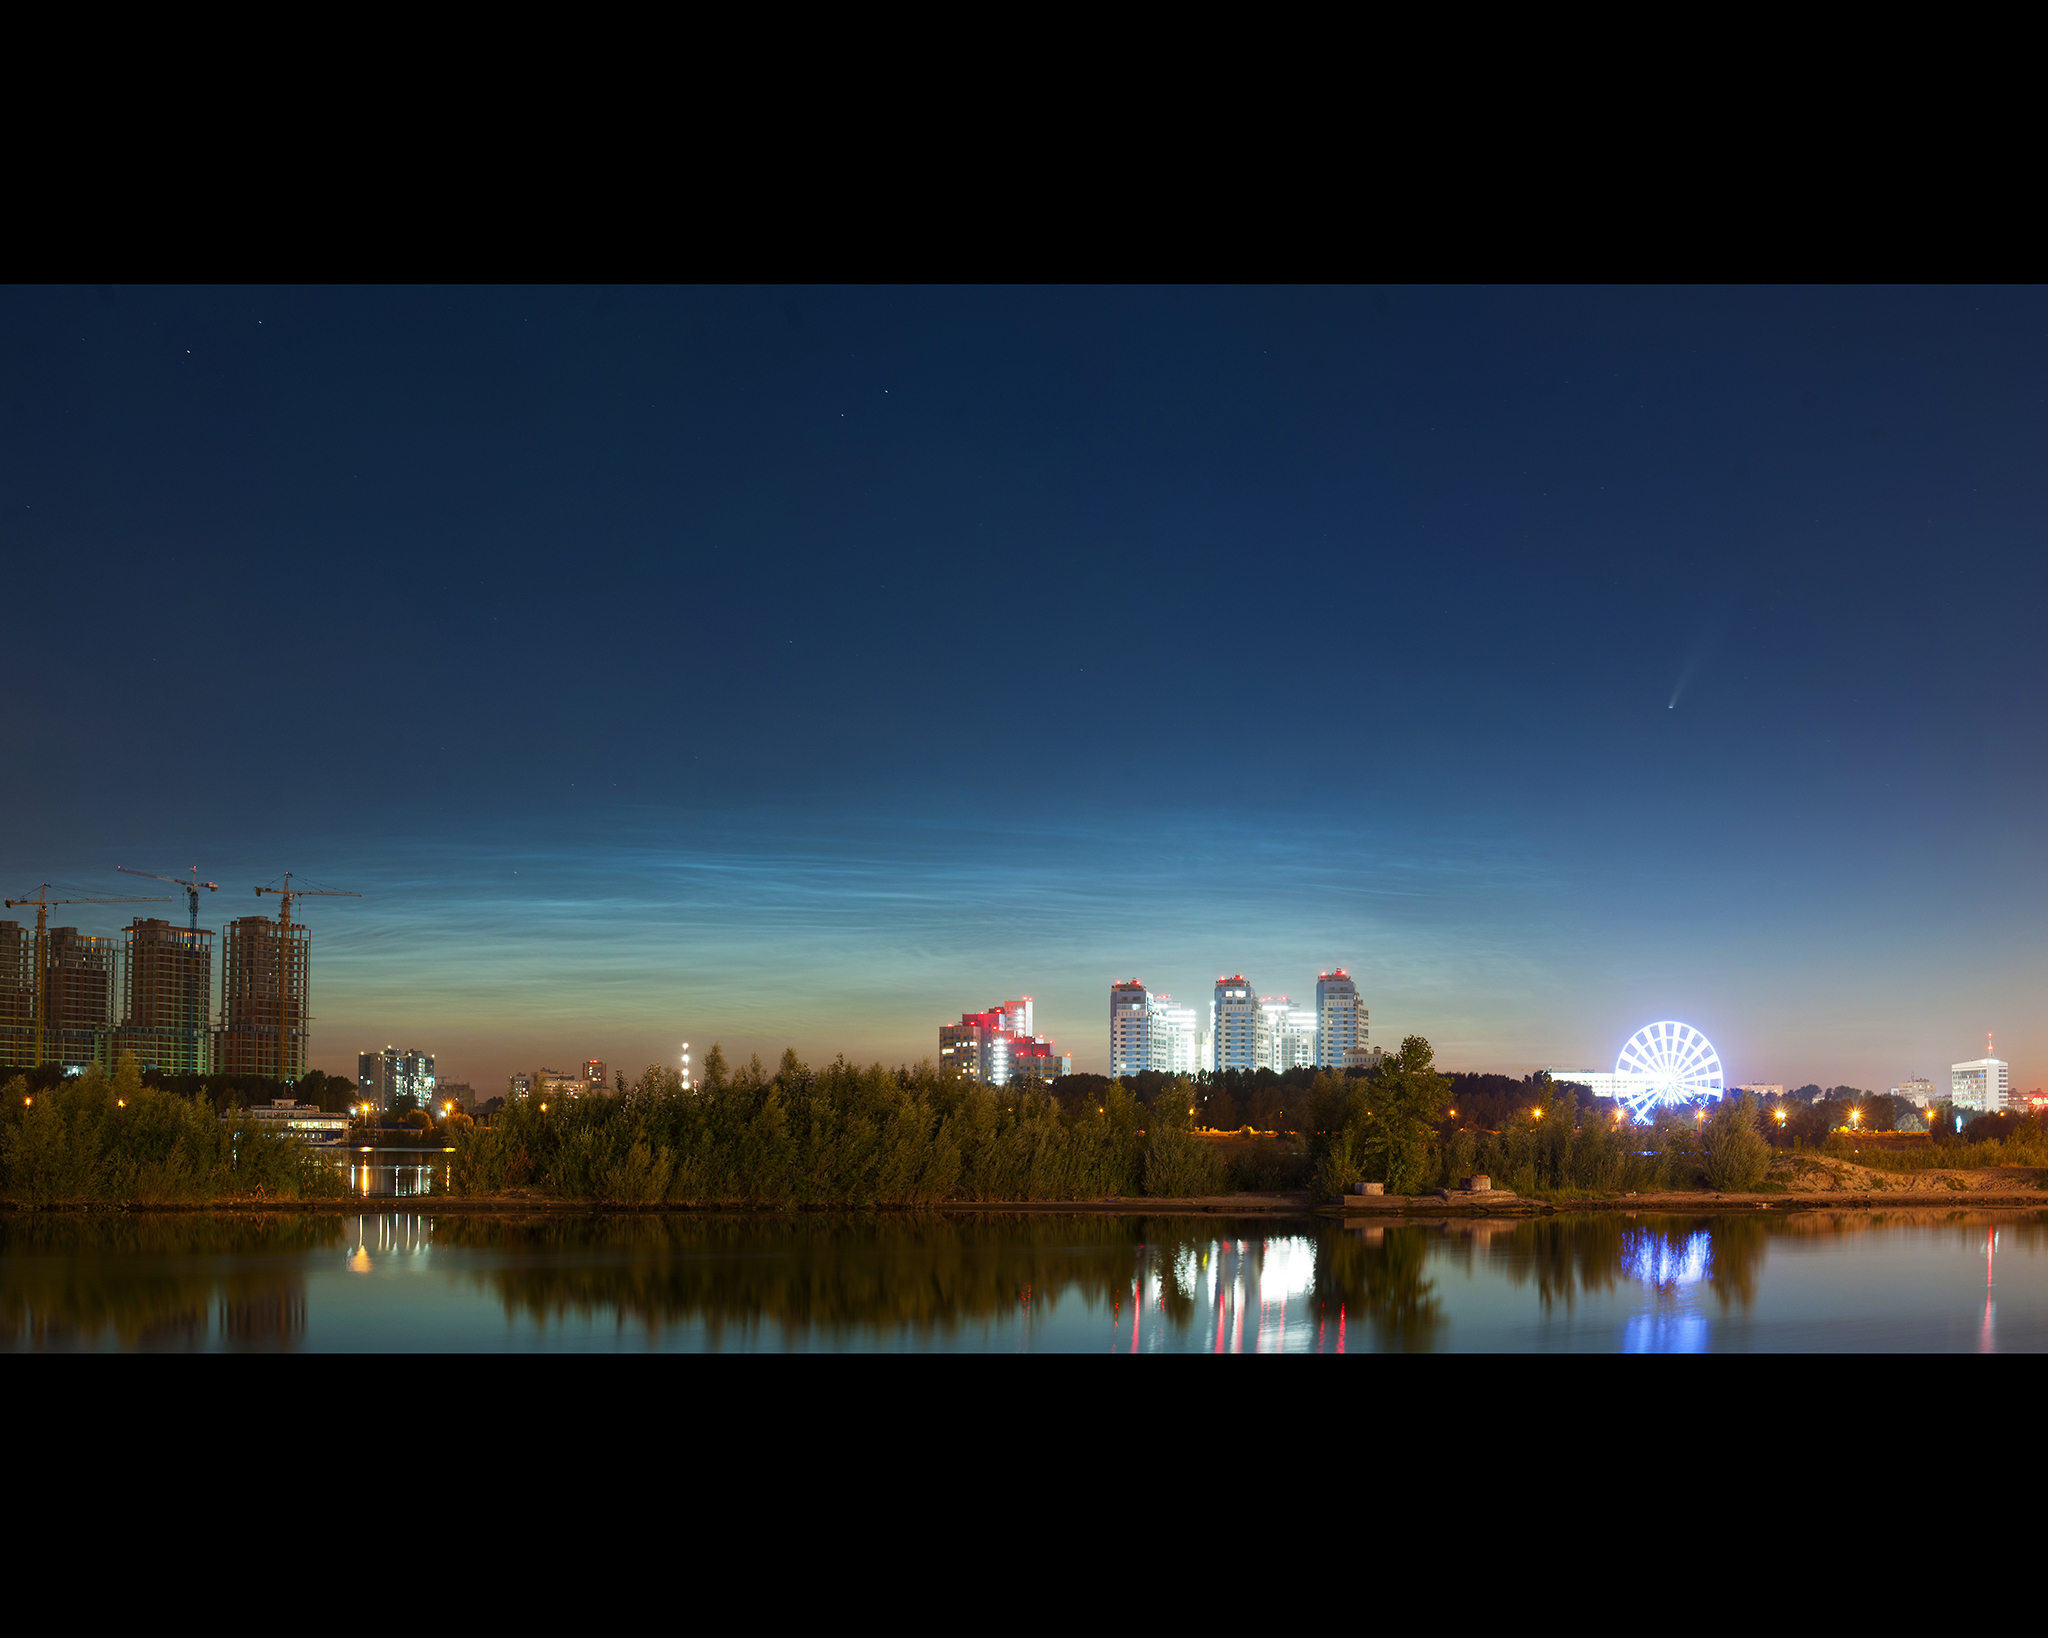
column 805, row 667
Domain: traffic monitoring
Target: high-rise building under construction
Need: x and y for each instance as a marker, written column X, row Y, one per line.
column 167, row 995
column 78, row 997
column 265, row 973
column 17, row 995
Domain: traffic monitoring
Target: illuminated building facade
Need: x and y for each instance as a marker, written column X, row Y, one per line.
column 1982, row 1084
column 1234, row 1023
column 1130, row 1028
column 1286, row 1035
column 1147, row 1031
column 998, row 1046
column 1343, row 1033
column 167, row 997
column 1176, row 1038
column 382, row 1078
column 1918, row 1091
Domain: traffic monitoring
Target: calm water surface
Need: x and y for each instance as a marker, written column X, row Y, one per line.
column 1932, row 1280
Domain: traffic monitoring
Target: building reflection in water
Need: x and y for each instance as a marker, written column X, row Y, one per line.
column 387, row 1173
column 168, row 1283
column 1133, row 1284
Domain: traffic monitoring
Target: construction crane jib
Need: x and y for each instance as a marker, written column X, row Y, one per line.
column 42, row 901
column 285, row 895
column 191, row 888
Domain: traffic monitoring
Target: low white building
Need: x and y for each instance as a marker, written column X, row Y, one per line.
column 306, row 1121
column 1920, row 1093
column 1605, row 1083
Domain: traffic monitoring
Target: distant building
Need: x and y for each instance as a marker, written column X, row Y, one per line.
column 263, row 1012
column 1343, row 1035
column 1234, row 1023
column 304, row 1120
column 167, row 997
column 594, row 1075
column 1176, row 1038
column 1761, row 1089
column 997, row 1046
column 383, row 1077
column 459, row 1093
column 1919, row 1092
column 17, row 995
column 520, row 1086
column 1286, row 1035
column 562, row 1083
column 1130, row 1028
column 78, row 997
column 1982, row 1084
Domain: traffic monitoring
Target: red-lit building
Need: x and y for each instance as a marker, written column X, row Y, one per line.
column 997, row 1046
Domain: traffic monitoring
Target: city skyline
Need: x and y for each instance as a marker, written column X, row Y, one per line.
column 1555, row 661
column 1089, row 1051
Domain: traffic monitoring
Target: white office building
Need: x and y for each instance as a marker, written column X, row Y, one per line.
column 1130, row 1028
column 1343, row 1035
column 1234, row 1023
column 1176, row 1037
column 1982, row 1084
column 1287, row 1035
column 1147, row 1031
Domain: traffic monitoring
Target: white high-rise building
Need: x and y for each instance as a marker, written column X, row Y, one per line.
column 1130, row 1028
column 1982, row 1084
column 1343, row 1033
column 1287, row 1035
column 1176, row 1045
column 1147, row 1031
column 1234, row 1023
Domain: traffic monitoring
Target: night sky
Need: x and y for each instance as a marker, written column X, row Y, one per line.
column 805, row 667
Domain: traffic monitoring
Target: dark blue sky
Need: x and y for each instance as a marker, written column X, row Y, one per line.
column 828, row 662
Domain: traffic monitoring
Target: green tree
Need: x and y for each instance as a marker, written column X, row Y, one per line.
column 1381, row 1129
column 1737, row 1156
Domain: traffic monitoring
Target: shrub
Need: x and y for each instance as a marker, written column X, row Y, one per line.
column 1736, row 1154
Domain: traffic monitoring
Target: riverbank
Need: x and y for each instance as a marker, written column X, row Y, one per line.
column 1983, row 1188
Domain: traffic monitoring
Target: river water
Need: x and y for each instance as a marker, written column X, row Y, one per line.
column 393, row 1280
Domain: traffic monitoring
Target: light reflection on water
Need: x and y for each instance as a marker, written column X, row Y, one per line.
column 416, row 1279
column 394, row 1173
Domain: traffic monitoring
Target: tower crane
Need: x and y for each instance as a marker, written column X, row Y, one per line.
column 285, row 896
column 192, row 897
column 191, row 888
column 42, row 901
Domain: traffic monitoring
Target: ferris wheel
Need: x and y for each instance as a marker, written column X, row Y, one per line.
column 1679, row 1062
